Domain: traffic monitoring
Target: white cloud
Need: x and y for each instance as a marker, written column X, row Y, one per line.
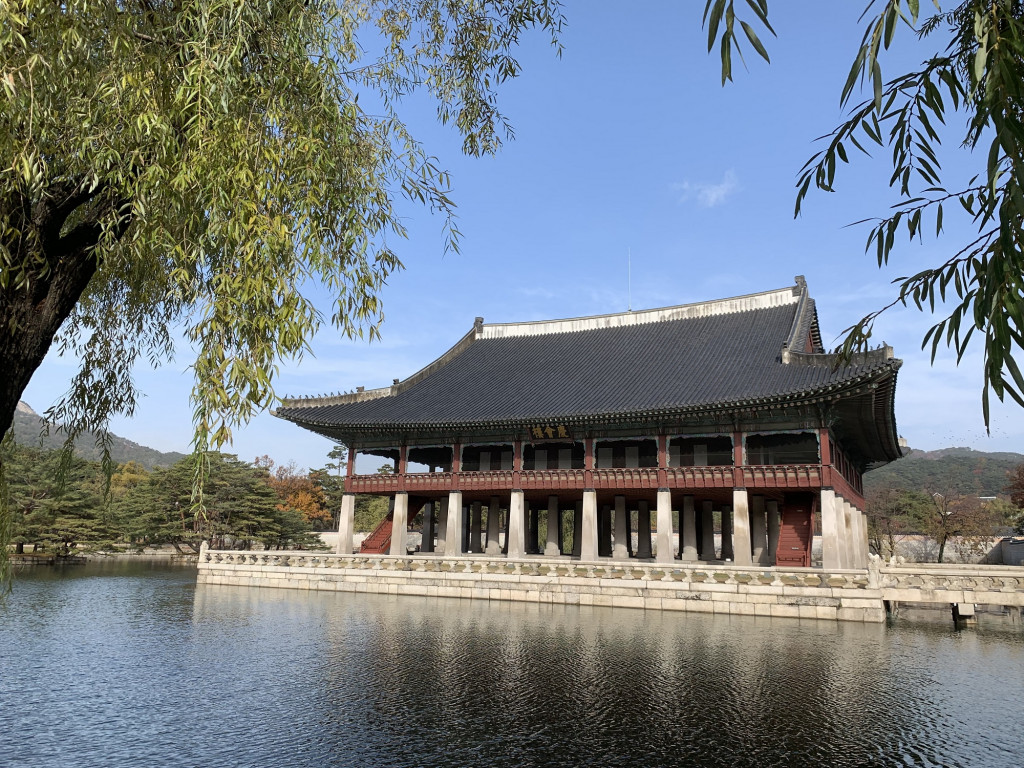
column 706, row 194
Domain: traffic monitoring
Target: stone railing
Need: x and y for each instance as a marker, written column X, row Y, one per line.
column 695, row 573
column 993, row 585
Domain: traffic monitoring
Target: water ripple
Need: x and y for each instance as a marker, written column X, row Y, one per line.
column 131, row 664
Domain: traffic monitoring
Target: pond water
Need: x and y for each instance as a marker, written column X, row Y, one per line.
column 131, row 664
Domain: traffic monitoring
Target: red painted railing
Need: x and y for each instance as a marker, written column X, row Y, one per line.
column 785, row 477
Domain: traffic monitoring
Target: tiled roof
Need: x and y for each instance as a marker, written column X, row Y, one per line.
column 728, row 353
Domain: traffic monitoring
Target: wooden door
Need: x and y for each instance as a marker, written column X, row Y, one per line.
column 796, row 531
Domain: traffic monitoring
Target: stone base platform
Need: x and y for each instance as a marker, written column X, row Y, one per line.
column 800, row 593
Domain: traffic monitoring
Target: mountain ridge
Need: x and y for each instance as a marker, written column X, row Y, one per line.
column 30, row 430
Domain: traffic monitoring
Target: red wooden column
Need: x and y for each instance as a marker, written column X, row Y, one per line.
column 737, row 460
column 588, row 462
column 825, row 454
column 456, row 464
column 403, row 465
column 517, row 464
column 662, row 461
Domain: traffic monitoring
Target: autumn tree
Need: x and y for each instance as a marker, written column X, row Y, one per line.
column 973, row 79
column 298, row 491
column 1015, row 488
column 892, row 515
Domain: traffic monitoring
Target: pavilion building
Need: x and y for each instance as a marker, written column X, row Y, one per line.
column 722, row 417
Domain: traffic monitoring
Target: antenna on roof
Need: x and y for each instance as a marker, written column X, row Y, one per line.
column 629, row 280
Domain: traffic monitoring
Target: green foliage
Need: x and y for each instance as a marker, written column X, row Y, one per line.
column 962, row 470
column 225, row 163
column 214, row 164
column 976, row 74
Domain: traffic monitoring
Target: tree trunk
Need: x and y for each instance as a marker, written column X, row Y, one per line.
column 57, row 269
column 942, row 546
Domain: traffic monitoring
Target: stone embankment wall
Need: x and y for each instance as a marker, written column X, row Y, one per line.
column 804, row 593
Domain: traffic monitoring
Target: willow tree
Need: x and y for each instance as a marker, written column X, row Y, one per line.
column 974, row 79
column 207, row 162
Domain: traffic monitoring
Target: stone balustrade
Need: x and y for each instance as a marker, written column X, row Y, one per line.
column 778, row 592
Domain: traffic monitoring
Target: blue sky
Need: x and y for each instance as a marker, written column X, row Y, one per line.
column 628, row 143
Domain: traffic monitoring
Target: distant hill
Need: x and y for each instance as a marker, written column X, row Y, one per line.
column 965, row 470
column 28, row 424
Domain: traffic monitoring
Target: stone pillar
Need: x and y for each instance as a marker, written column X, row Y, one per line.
column 688, row 526
column 533, row 531
column 865, row 546
column 476, row 524
column 830, row 530
column 666, row 550
column 494, row 526
column 516, row 526
column 707, row 538
column 851, row 535
column 345, row 519
column 643, row 530
column 741, row 527
column 857, row 556
column 399, row 524
column 588, row 526
column 577, row 528
column 467, row 527
column 442, row 526
column 604, row 529
column 453, row 529
column 554, row 524
column 727, row 553
column 621, row 548
column 429, row 523
column 772, row 509
column 758, row 531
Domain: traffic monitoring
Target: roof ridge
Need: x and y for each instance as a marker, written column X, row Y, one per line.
column 733, row 305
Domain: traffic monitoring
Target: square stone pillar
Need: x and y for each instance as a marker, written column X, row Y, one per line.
column 643, row 532
column 865, row 546
column 494, row 526
column 758, row 531
column 666, row 550
column 577, row 528
column 830, row 530
column 399, row 524
column 772, row 510
column 849, row 556
column 859, row 558
column 588, row 527
column 442, row 525
column 727, row 553
column 429, row 524
column 345, row 520
column 453, row 530
column 517, row 526
column 741, row 527
column 621, row 549
column 554, row 524
column 476, row 525
column 688, row 526
column 604, row 531
column 707, row 533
